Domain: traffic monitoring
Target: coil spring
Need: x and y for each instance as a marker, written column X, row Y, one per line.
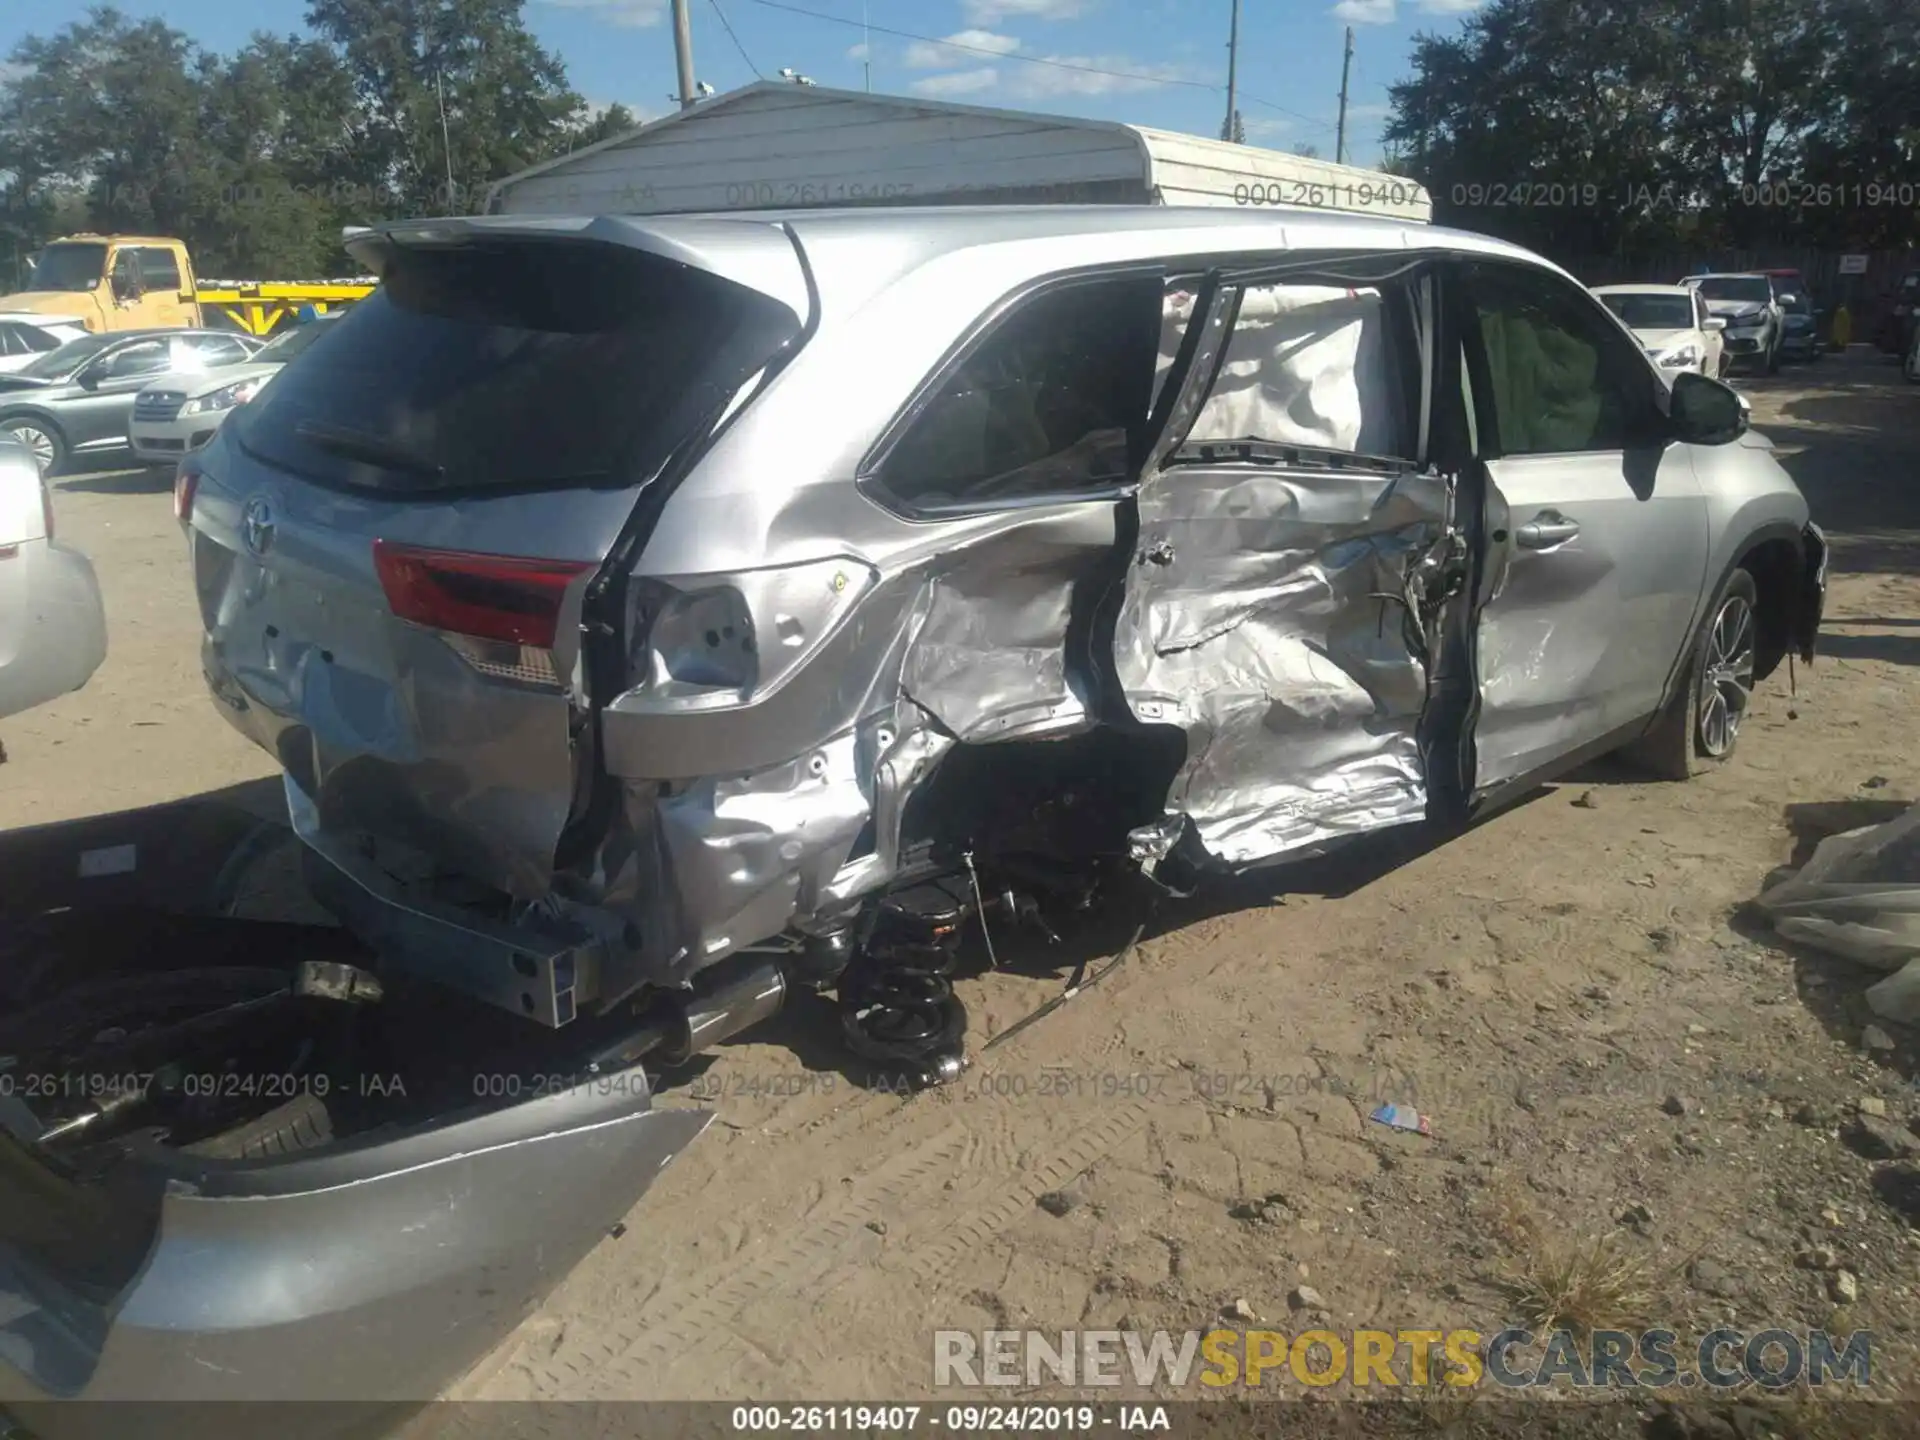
column 898, row 1008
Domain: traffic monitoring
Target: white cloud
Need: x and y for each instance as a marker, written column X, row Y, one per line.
column 860, row 51
column 959, row 82
column 1368, row 112
column 934, row 54
column 1092, row 75
column 1366, row 12
column 628, row 14
column 1451, row 7
column 1265, row 126
column 991, row 12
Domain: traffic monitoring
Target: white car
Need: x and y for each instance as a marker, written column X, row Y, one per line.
column 53, row 629
column 23, row 336
column 179, row 414
column 1672, row 324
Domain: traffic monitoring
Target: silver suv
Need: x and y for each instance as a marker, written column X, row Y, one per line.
column 660, row 613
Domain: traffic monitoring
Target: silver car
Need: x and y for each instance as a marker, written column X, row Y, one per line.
column 659, row 595
column 74, row 402
column 652, row 616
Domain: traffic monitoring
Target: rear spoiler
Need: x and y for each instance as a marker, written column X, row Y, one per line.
column 754, row 254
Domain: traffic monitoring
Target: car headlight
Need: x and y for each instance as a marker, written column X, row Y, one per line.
column 1680, row 356
column 237, row 393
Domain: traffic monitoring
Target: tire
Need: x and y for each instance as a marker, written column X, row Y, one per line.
column 1700, row 727
column 303, row 1123
column 42, row 437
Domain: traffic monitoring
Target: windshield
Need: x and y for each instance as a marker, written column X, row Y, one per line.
column 68, row 266
column 1652, row 311
column 60, row 363
column 515, row 364
column 1737, row 287
column 283, row 348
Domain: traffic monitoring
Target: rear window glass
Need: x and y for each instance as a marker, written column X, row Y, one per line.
column 514, row 365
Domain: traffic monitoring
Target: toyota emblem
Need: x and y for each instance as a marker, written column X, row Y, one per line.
column 257, row 524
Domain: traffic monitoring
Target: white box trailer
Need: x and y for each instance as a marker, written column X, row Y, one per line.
column 781, row 146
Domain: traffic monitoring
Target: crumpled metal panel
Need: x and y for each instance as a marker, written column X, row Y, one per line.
column 990, row 660
column 1258, row 632
column 967, row 645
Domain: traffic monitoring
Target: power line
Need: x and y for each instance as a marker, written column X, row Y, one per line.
column 1074, row 65
column 728, row 26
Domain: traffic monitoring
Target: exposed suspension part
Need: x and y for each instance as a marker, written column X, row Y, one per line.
column 897, row 1005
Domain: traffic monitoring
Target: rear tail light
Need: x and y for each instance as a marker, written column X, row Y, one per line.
column 501, row 612
column 186, row 480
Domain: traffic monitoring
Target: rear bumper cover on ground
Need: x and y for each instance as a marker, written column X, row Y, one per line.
column 376, row 1273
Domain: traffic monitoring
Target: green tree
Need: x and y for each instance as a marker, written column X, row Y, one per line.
column 450, row 96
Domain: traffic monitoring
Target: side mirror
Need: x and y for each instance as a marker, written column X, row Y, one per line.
column 90, row 376
column 1714, row 322
column 1705, row 411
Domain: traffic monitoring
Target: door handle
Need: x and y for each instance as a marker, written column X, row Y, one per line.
column 1545, row 530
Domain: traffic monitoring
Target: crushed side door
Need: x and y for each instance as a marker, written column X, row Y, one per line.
column 1293, row 556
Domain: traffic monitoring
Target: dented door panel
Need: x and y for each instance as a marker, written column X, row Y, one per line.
column 1262, row 634
column 1266, row 610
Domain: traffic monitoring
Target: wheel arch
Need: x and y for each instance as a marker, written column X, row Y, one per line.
column 38, row 416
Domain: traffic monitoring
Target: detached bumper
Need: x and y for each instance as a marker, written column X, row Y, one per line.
column 374, row 1274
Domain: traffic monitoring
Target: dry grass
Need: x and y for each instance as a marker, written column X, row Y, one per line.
column 1569, row 1281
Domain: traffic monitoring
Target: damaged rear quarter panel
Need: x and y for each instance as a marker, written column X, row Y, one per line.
column 782, row 801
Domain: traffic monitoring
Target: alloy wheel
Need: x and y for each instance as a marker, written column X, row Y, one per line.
column 1726, row 676
column 38, row 442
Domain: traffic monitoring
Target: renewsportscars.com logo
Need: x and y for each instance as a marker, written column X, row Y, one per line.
column 1514, row 1359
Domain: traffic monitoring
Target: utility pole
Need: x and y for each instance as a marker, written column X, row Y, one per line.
column 683, row 52
column 446, row 136
column 1228, row 128
column 866, row 48
column 1340, row 133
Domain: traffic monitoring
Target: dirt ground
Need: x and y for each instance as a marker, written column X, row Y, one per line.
column 1571, row 992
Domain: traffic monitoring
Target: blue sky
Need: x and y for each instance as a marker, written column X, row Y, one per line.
column 1153, row 62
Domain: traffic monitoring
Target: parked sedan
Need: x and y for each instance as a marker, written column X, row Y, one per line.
column 24, row 336
column 1750, row 304
column 1799, row 327
column 179, row 413
column 1672, row 325
column 53, row 631
column 77, row 400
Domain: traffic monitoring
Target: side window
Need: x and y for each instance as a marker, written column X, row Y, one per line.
column 1046, row 403
column 211, row 350
column 32, row 340
column 149, row 357
column 1562, row 381
column 10, row 342
column 1309, row 365
column 159, row 268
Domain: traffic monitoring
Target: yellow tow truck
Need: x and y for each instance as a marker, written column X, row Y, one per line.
column 139, row 282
